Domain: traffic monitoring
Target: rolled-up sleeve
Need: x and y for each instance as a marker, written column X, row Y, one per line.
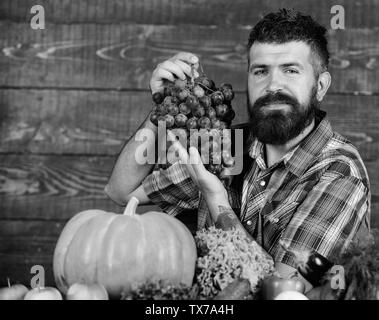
column 172, row 189
column 327, row 220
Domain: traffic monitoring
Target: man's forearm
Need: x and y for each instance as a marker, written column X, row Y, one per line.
column 127, row 173
column 224, row 216
column 227, row 219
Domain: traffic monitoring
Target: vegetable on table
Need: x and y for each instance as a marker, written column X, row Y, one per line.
column 239, row 289
column 43, row 293
column 275, row 285
column 13, row 292
column 82, row 291
column 290, row 295
column 159, row 290
column 119, row 250
column 227, row 255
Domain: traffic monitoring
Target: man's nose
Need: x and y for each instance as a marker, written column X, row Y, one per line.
column 274, row 82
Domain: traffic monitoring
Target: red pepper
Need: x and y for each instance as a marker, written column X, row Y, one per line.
column 274, row 285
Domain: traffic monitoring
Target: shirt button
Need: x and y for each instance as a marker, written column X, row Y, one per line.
column 275, row 220
column 262, row 183
column 249, row 223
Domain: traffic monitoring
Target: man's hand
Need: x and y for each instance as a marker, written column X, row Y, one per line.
column 177, row 67
column 209, row 185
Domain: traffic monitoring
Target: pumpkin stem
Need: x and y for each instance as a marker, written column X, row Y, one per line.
column 131, row 207
column 9, row 283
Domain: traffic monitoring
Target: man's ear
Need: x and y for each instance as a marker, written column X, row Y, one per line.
column 323, row 84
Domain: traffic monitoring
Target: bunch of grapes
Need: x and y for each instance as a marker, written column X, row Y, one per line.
column 199, row 111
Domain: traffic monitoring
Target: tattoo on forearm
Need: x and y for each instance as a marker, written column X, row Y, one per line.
column 227, row 219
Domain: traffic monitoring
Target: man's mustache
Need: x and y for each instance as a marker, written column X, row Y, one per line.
column 275, row 98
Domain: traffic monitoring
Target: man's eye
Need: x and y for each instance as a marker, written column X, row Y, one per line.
column 291, row 71
column 260, row 72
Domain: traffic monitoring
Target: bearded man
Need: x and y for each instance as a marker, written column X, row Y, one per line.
column 303, row 188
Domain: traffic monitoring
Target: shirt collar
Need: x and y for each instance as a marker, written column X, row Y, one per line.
column 302, row 156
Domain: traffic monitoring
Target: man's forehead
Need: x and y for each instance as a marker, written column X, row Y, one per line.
column 262, row 53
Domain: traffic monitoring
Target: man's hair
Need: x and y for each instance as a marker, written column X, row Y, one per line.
column 288, row 25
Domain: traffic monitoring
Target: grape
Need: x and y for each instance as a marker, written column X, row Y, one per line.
column 154, row 118
column 181, row 84
column 204, row 123
column 205, row 101
column 192, row 123
column 221, row 110
column 170, row 100
column 192, row 102
column 216, row 123
column 198, row 104
column 217, row 98
column 170, row 121
column 172, row 109
column 175, row 93
column 229, row 115
column 154, row 109
column 223, row 125
column 215, row 135
column 227, row 93
column 167, row 91
column 161, row 118
column 183, row 95
column 227, row 159
column 184, row 109
column 181, row 120
column 199, row 111
column 211, row 113
column 215, row 158
column 162, row 109
column 226, row 85
column 215, row 168
column 158, row 97
column 198, row 91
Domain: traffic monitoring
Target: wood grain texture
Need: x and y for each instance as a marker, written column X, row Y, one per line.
column 58, row 187
column 25, row 243
column 122, row 56
column 50, row 188
column 99, row 122
column 53, row 187
column 359, row 13
column 80, row 122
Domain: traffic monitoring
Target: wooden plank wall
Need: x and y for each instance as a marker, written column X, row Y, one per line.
column 71, row 94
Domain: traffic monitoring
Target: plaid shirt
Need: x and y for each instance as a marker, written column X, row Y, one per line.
column 316, row 198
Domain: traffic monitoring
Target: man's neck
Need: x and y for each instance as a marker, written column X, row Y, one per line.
column 276, row 152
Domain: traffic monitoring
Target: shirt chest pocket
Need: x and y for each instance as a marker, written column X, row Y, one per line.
column 277, row 214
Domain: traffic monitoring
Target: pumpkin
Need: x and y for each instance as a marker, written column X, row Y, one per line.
column 122, row 250
column 81, row 291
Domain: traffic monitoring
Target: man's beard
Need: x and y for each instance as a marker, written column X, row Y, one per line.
column 277, row 127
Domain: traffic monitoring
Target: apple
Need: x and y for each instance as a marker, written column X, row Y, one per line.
column 274, row 285
column 290, row 295
column 43, row 293
column 14, row 292
column 81, row 291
